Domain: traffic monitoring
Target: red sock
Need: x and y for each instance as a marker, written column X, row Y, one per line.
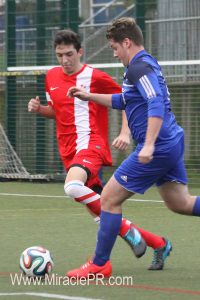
column 95, row 207
column 92, row 201
column 125, row 226
column 151, row 239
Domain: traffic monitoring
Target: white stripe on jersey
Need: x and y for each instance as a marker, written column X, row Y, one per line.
column 81, row 111
column 147, row 86
column 48, row 98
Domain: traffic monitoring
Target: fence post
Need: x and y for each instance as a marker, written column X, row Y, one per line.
column 40, row 60
column 11, row 80
column 140, row 14
column 69, row 14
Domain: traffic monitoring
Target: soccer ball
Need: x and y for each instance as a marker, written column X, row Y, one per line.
column 36, row 262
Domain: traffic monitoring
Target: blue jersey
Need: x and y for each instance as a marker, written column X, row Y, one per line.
column 145, row 94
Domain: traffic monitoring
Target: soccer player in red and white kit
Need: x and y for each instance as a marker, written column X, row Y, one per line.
column 82, row 134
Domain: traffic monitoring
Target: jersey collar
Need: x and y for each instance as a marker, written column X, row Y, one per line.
column 74, row 74
column 139, row 54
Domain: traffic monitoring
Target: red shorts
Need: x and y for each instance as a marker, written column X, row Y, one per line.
column 91, row 160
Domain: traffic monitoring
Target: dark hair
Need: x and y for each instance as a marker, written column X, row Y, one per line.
column 125, row 28
column 67, row 37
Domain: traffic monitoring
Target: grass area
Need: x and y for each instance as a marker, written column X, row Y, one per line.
column 65, row 229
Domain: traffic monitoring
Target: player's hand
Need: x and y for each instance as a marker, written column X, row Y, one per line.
column 146, row 154
column 34, row 105
column 121, row 142
column 78, row 92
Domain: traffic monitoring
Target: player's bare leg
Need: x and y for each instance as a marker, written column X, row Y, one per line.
column 177, row 198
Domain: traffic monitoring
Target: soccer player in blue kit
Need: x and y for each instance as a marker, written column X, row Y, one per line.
column 159, row 155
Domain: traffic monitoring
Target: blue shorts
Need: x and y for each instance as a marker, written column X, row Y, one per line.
column 165, row 167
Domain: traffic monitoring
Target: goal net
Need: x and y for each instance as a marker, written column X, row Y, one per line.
column 11, row 166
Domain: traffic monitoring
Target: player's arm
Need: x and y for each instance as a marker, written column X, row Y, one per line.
column 122, row 141
column 156, row 110
column 46, row 111
column 79, row 92
column 146, row 81
column 153, row 129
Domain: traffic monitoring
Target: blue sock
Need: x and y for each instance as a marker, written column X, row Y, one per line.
column 109, row 228
column 196, row 207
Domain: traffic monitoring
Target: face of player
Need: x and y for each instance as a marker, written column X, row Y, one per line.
column 121, row 51
column 69, row 58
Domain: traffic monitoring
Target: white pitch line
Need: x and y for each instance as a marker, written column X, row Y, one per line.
column 45, row 295
column 29, row 195
column 56, row 196
column 145, row 200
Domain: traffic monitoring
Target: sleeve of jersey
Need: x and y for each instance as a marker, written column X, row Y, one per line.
column 107, row 85
column 146, row 81
column 117, row 102
column 47, row 91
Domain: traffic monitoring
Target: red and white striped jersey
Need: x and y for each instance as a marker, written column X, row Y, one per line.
column 79, row 124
